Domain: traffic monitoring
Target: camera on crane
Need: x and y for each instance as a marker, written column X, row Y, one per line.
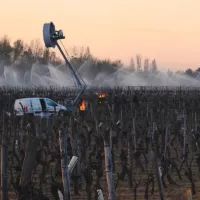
column 58, row 35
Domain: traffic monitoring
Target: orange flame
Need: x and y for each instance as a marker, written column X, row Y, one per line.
column 102, row 95
column 83, row 105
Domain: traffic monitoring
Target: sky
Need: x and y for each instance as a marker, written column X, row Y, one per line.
column 168, row 31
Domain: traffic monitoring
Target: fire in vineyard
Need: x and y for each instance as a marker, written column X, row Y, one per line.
column 83, row 106
column 102, row 96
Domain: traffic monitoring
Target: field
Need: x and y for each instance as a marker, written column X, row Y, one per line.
column 143, row 130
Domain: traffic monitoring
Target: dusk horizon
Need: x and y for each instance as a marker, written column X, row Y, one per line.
column 166, row 31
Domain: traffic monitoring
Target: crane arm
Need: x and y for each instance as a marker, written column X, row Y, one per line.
column 80, row 86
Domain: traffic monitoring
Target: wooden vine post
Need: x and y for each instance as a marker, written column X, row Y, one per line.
column 4, row 162
column 64, row 163
column 108, row 165
column 157, row 167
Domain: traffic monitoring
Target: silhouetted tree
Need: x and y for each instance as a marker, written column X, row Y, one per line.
column 18, row 48
column 179, row 72
column 189, row 72
column 154, row 68
column 46, row 56
column 132, row 65
column 28, row 57
column 117, row 63
column 87, row 54
column 146, row 65
column 139, row 62
column 5, row 50
column 36, row 49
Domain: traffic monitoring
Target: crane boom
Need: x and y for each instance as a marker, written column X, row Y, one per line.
column 51, row 37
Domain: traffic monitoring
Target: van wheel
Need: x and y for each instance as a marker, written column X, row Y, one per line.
column 61, row 113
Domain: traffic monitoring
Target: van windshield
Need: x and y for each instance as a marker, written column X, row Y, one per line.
column 51, row 103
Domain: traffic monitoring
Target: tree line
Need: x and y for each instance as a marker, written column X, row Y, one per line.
column 23, row 55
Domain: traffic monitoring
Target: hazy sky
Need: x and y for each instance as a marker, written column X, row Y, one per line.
column 166, row 30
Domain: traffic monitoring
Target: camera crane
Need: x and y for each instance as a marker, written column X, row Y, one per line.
column 51, row 37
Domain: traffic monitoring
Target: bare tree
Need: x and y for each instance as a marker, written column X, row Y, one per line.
column 146, row 65
column 18, row 48
column 154, row 67
column 132, row 65
column 5, row 50
column 139, row 62
column 36, row 49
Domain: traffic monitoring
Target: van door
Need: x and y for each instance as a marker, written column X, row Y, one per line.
column 26, row 105
column 51, row 105
column 35, row 106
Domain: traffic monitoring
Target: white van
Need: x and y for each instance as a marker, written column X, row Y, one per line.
column 35, row 106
